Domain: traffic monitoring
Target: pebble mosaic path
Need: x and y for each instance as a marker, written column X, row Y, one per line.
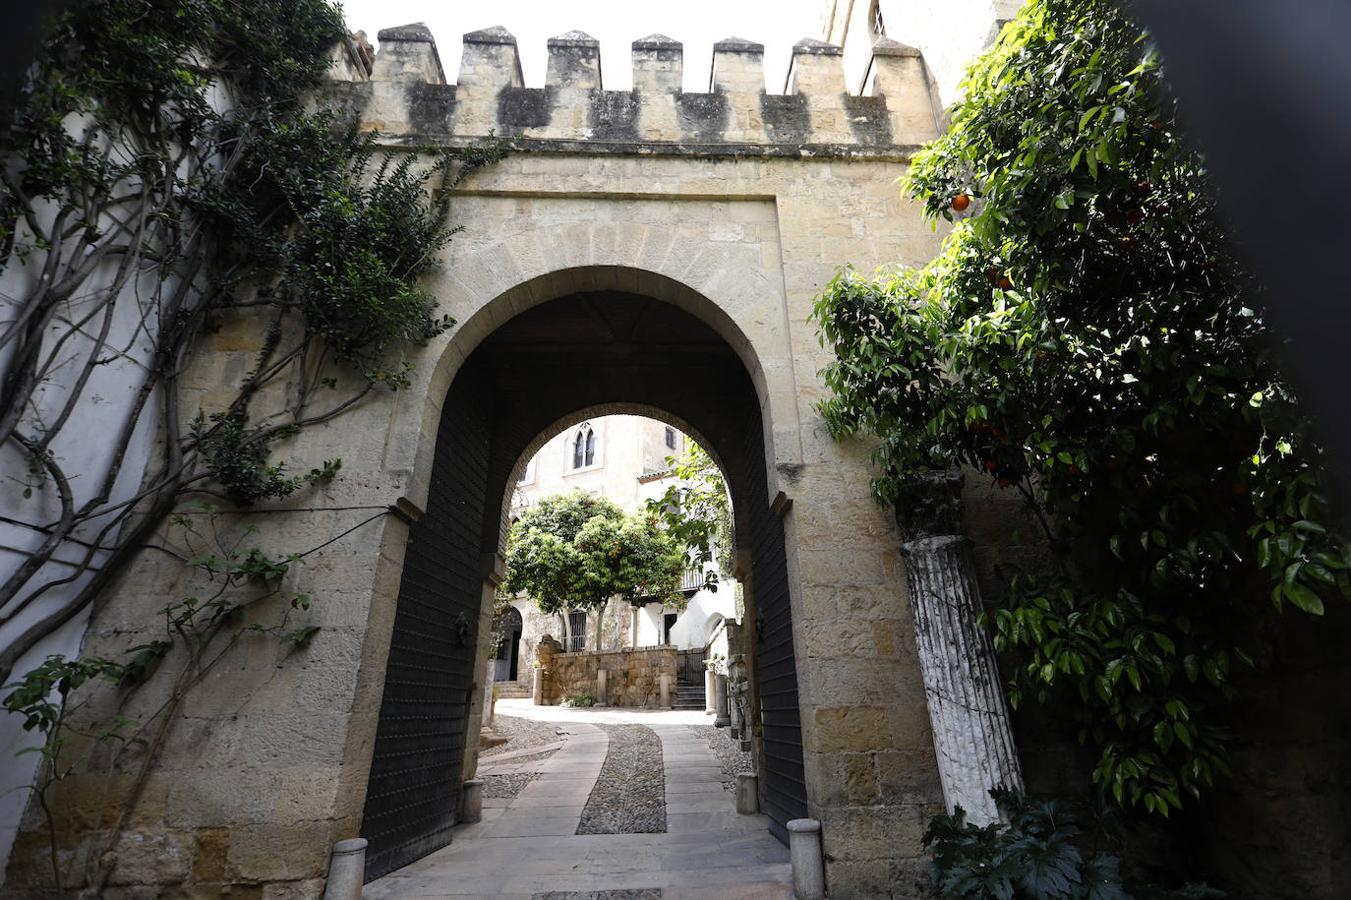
column 528, row 847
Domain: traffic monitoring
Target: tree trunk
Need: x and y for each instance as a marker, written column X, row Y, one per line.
column 972, row 736
column 600, row 622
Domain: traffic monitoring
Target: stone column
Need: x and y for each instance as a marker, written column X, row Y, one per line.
column 970, row 721
column 602, row 695
column 724, row 718
column 488, row 699
column 710, row 692
column 665, row 683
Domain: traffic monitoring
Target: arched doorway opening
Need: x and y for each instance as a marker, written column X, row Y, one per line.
column 551, row 367
column 508, row 639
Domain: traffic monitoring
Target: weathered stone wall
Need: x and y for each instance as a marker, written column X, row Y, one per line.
column 736, row 206
column 537, row 625
column 632, row 677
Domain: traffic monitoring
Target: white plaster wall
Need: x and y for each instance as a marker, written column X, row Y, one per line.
column 692, row 630
column 649, row 625
column 626, row 447
column 84, row 450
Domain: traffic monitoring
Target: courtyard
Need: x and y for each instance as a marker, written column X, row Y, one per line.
column 605, row 803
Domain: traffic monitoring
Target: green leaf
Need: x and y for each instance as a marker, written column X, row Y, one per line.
column 1303, row 598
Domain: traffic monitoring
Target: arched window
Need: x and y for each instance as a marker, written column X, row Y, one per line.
column 584, row 447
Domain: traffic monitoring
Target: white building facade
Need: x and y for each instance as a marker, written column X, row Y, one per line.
column 624, row 459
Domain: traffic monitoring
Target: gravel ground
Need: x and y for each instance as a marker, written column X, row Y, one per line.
column 733, row 761
column 506, row 787
column 524, row 733
column 630, row 794
column 532, row 758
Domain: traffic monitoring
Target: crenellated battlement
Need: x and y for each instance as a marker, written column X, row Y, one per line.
column 405, row 94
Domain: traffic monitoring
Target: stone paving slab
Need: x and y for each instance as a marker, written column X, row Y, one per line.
column 699, row 803
column 542, row 825
column 528, row 848
column 693, row 787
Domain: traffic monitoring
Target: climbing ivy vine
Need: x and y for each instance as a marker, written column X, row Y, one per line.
column 164, row 177
column 1087, row 340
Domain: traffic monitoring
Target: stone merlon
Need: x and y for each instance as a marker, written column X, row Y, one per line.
column 408, row 98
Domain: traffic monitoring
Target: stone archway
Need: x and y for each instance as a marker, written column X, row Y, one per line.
column 541, row 370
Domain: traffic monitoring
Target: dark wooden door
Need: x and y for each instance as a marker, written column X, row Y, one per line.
column 785, row 784
column 416, row 768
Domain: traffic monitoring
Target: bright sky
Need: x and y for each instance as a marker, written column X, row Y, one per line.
column 698, row 24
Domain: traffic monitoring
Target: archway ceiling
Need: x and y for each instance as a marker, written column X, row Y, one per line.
column 605, row 325
column 607, row 349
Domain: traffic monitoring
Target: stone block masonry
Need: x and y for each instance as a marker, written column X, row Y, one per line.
column 408, row 98
column 630, row 677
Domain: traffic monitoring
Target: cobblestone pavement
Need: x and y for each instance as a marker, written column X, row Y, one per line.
column 527, row 847
column 630, row 794
column 730, row 756
column 523, row 733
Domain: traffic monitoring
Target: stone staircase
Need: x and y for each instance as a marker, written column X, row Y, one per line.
column 510, row 690
column 690, row 696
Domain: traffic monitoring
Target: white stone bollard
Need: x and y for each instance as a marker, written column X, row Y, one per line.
column 804, row 852
column 471, row 806
column 602, row 694
column 747, row 793
column 537, row 688
column 665, row 691
column 724, row 718
column 346, row 870
column 710, row 692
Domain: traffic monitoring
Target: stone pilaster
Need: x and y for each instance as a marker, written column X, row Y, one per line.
column 972, row 736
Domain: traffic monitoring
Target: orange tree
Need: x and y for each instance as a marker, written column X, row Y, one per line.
column 1086, row 339
column 577, row 551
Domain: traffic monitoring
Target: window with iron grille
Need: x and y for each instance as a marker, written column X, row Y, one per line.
column 670, row 438
column 576, row 631
column 875, row 19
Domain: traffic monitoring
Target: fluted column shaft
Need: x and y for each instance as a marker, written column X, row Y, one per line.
column 967, row 711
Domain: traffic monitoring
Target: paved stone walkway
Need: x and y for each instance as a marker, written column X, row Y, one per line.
column 528, row 846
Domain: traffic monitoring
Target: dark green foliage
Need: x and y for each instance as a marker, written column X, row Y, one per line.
column 40, row 695
column 1087, row 339
column 696, row 512
column 577, row 551
column 141, row 70
column 1035, row 854
column 237, row 458
column 328, row 226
